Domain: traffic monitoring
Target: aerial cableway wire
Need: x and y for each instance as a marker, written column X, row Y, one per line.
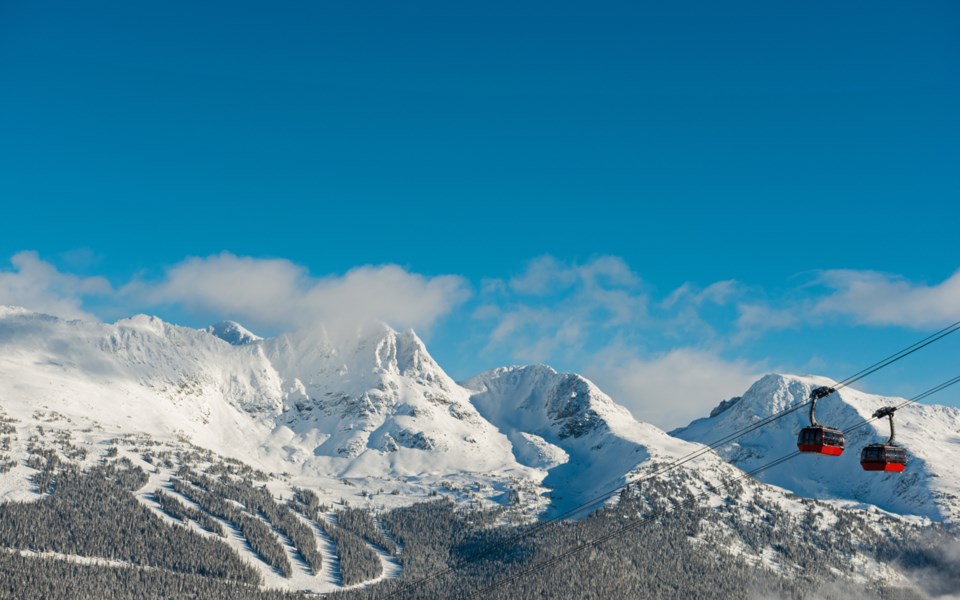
column 791, row 409
column 643, row 520
column 602, row 498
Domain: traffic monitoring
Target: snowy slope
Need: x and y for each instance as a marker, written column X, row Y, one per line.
column 375, row 404
column 378, row 403
column 373, row 407
column 563, row 423
column 139, row 375
column 372, row 418
column 929, row 487
column 233, row 333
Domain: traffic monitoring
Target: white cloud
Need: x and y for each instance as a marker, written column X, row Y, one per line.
column 661, row 358
column 543, row 275
column 269, row 293
column 278, row 293
column 755, row 319
column 536, row 335
column 882, row 299
column 599, row 318
column 680, row 316
column 38, row 285
column 671, row 389
column 718, row 293
column 586, row 301
column 546, row 275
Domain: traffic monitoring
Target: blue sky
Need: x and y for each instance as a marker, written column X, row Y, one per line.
column 635, row 191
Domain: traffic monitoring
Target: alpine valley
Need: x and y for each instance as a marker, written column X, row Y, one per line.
column 142, row 459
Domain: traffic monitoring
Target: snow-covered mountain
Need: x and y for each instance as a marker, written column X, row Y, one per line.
column 233, row 333
column 371, row 420
column 372, row 404
column 563, row 423
column 375, row 407
column 930, row 434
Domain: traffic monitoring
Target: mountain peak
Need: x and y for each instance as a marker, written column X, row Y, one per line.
column 539, row 395
column 20, row 312
column 769, row 395
column 14, row 311
column 926, row 432
column 773, row 393
column 233, row 333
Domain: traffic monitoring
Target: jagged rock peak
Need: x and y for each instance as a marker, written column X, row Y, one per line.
column 7, row 310
column 233, row 333
column 22, row 314
column 535, row 377
column 403, row 353
column 769, row 395
column 776, row 391
column 725, row 405
column 145, row 323
column 568, row 400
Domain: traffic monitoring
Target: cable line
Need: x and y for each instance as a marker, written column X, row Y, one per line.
column 599, row 500
column 925, row 394
column 635, row 523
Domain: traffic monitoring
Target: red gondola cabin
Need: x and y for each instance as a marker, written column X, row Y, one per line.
column 816, row 438
column 821, row 440
column 883, row 457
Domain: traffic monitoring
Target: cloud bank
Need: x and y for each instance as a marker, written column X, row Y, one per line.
column 672, row 388
column 882, row 299
column 38, row 285
column 669, row 356
column 276, row 293
column 600, row 316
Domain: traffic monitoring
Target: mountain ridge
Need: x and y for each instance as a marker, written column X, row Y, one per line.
column 930, row 487
column 375, row 405
column 326, row 424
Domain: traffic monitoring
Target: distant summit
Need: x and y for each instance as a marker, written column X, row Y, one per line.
column 930, row 488
column 233, row 333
